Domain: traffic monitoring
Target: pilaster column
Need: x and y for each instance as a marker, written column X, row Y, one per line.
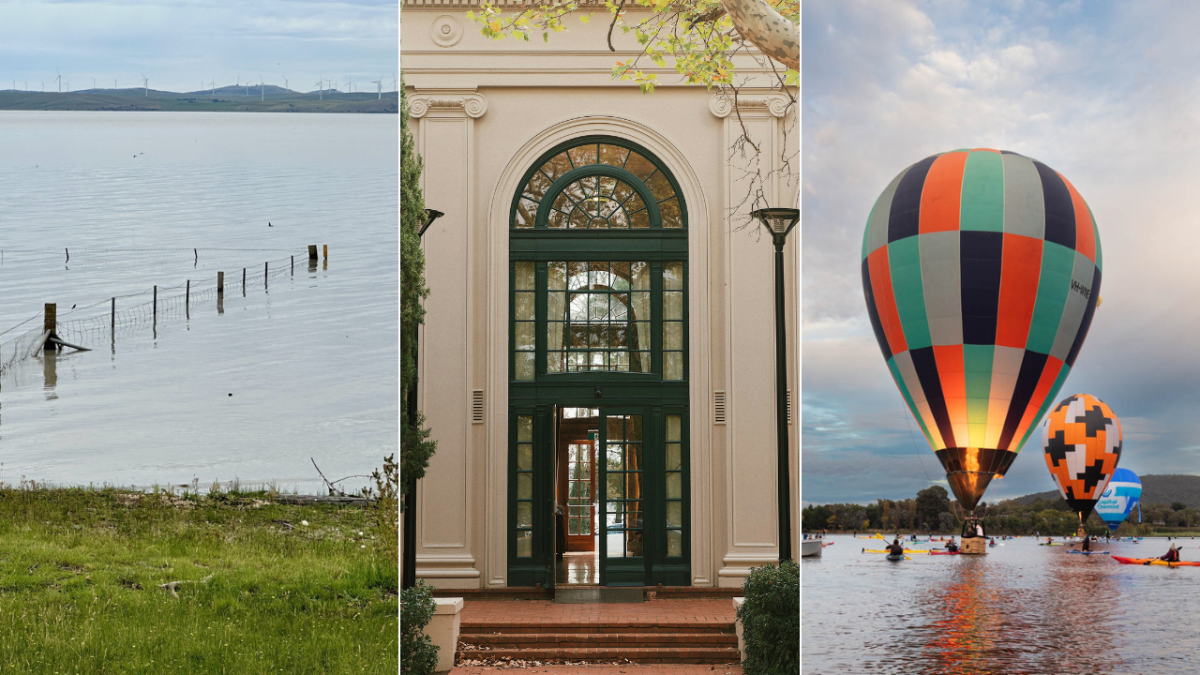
column 445, row 139
column 750, row 459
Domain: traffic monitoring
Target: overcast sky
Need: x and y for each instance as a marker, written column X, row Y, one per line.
column 1106, row 93
column 178, row 44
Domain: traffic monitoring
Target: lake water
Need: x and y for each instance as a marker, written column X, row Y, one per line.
column 310, row 356
column 1022, row 608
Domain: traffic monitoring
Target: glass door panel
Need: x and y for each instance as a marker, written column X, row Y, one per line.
column 581, row 512
column 623, row 475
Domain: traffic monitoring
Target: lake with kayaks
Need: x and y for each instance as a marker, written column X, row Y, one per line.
column 301, row 366
column 1022, row 608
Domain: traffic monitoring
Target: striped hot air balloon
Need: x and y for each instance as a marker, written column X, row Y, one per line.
column 981, row 271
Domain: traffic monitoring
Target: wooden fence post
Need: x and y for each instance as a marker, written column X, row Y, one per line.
column 113, row 325
column 243, row 282
column 325, row 251
column 220, row 285
column 266, row 273
column 312, row 251
column 155, row 305
column 187, row 298
column 49, row 325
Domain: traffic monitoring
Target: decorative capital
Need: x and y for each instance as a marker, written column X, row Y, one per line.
column 721, row 104
column 473, row 105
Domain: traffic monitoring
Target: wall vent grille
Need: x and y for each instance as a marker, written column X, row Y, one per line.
column 477, row 406
column 718, row 407
column 789, row 406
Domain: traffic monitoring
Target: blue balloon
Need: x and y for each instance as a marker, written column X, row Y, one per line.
column 1119, row 497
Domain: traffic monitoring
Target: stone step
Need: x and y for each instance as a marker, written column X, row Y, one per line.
column 641, row 639
column 677, row 654
column 635, row 625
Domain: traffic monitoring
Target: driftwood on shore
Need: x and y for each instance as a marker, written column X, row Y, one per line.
column 309, row 500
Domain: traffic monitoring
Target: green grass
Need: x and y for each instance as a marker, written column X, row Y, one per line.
column 80, row 571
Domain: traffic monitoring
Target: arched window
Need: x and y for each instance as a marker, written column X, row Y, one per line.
column 602, row 184
column 598, row 276
column 599, row 251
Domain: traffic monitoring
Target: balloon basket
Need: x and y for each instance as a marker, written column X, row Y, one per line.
column 973, row 546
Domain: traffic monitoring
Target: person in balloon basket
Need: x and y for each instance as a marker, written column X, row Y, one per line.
column 1172, row 554
column 895, row 548
column 951, row 546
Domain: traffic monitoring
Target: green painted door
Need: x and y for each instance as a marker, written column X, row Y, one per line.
column 643, row 500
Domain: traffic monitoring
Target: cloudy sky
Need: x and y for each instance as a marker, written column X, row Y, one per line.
column 1108, row 94
column 180, row 43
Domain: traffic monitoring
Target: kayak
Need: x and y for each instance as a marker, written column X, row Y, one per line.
column 884, row 550
column 1051, row 544
column 892, row 556
column 1154, row 561
column 943, row 553
column 1087, row 552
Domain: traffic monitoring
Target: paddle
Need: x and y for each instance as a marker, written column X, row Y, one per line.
column 880, row 537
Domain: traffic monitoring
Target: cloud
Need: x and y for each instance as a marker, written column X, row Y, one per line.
column 1106, row 96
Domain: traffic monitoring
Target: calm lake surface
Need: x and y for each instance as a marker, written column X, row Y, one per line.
column 1023, row 608
column 309, row 357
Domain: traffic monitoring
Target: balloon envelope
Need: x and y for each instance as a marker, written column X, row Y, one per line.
column 1119, row 497
column 1081, row 440
column 981, row 271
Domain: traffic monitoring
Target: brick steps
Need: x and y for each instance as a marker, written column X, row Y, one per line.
column 647, row 639
column 562, row 640
column 665, row 626
column 688, row 654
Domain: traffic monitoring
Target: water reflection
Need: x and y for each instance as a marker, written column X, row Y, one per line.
column 50, row 373
column 1019, row 609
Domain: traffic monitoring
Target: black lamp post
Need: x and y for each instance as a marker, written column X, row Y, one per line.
column 780, row 222
column 408, row 575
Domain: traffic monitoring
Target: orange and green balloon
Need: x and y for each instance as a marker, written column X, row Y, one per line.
column 981, row 271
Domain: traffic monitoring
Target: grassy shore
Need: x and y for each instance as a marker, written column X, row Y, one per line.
column 261, row 591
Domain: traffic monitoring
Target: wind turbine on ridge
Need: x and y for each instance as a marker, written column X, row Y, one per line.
column 114, row 83
column 59, row 80
column 285, row 81
column 146, row 84
column 378, row 88
column 213, row 84
column 320, row 91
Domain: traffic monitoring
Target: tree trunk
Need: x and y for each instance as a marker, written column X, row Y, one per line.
column 766, row 29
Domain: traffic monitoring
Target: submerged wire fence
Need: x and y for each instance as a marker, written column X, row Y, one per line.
column 103, row 321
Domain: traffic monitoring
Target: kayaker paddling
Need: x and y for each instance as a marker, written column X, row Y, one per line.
column 1172, row 554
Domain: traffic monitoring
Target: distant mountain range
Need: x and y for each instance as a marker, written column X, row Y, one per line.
column 1156, row 489
column 269, row 98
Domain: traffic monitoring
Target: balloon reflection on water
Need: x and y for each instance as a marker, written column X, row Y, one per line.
column 981, row 621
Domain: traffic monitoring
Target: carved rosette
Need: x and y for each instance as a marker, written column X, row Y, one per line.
column 446, row 31
column 472, row 105
column 721, row 105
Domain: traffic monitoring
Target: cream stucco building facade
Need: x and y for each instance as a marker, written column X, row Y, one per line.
column 662, row 461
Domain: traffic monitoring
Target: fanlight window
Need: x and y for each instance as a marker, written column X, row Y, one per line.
column 599, row 201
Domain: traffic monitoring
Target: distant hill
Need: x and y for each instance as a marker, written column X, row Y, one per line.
column 226, row 99
column 1156, row 489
